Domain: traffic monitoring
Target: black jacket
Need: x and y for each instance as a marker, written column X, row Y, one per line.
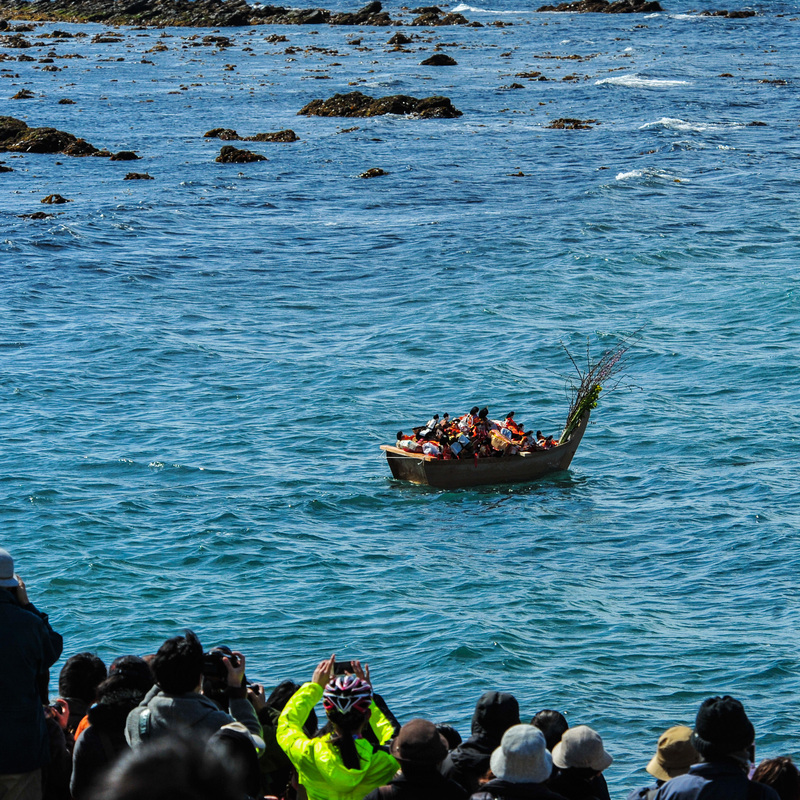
column 427, row 785
column 503, row 790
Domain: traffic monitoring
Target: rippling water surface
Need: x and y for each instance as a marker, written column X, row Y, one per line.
column 197, row 370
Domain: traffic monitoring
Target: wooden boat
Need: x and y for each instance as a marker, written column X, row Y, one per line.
column 457, row 474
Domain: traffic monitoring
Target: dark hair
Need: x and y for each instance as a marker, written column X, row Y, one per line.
column 129, row 675
column 782, row 775
column 452, row 736
column 346, row 725
column 178, row 664
column 171, row 769
column 80, row 676
column 552, row 724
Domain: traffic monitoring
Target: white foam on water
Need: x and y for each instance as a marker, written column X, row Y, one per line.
column 462, row 7
column 635, row 81
column 624, row 176
column 649, row 174
column 674, row 124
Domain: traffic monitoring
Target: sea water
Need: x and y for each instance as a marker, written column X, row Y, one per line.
column 197, row 371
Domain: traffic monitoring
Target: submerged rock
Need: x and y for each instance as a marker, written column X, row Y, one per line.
column 233, row 155
column 571, row 124
column 125, row 155
column 36, row 215
column 138, row 176
column 356, row 104
column 55, row 200
column 375, row 172
column 226, row 134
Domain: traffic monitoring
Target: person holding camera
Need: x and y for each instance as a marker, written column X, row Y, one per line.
column 341, row 764
column 30, row 648
column 175, row 705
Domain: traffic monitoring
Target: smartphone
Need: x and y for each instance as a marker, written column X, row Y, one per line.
column 340, row 667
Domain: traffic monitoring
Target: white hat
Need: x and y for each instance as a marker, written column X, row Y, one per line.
column 581, row 747
column 522, row 756
column 7, row 579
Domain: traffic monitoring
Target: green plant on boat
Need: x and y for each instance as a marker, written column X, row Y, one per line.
column 605, row 370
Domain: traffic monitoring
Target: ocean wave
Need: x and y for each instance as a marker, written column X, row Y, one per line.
column 462, row 7
column 649, row 174
column 674, row 124
column 635, row 81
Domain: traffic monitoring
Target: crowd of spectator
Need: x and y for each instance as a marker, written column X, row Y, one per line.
column 187, row 724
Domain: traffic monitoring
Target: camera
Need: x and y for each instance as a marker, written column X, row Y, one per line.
column 213, row 665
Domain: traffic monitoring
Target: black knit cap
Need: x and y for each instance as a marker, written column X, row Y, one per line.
column 722, row 727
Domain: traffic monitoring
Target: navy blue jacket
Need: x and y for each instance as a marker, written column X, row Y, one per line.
column 715, row 780
column 28, row 648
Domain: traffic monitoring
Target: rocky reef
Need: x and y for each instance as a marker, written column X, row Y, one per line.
column 606, row 7
column 356, row 104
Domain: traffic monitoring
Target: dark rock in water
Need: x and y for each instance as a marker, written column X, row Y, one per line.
column 232, row 155
column 375, row 172
column 426, row 10
column 17, row 137
column 439, row 60
column 138, row 176
column 287, row 135
column 605, row 7
column 55, row 200
column 226, row 134
column 37, row 215
column 14, row 40
column 434, row 17
column 400, row 38
column 571, row 124
column 756, row 124
column 370, row 14
column 23, row 94
column 745, row 14
column 125, row 155
column 4, row 168
column 356, row 104
column 218, row 41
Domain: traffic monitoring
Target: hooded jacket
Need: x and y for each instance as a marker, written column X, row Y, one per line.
column 190, row 712
column 29, row 648
column 505, row 790
column 715, row 780
column 495, row 713
column 318, row 762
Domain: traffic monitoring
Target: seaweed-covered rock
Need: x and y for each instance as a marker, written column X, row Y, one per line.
column 125, row 155
column 36, row 215
column 233, row 155
column 55, row 200
column 606, row 7
column 399, row 39
column 356, row 104
column 433, row 16
column 287, row 135
column 16, row 40
column 439, row 60
column 17, row 137
column 23, row 94
column 571, row 124
column 374, row 172
column 226, row 134
column 138, row 176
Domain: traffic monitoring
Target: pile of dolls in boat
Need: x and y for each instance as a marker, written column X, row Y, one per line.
column 473, row 435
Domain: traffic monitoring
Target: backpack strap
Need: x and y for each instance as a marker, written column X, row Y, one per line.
column 144, row 724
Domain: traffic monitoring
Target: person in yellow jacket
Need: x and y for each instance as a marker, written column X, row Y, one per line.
column 341, row 765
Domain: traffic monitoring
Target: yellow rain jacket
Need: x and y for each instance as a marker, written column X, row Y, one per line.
column 318, row 763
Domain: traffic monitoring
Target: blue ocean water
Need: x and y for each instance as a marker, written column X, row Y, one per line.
column 197, row 371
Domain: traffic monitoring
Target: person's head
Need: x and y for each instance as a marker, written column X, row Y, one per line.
column 722, row 729
column 510, row 415
column 451, row 735
column 399, row 435
column 495, row 713
column 178, row 664
column 234, row 745
column 473, row 410
column 170, row 769
column 347, row 701
column 522, row 756
column 80, row 676
column 7, row 578
column 552, row 724
column 419, row 747
column 280, row 696
column 674, row 754
column 581, row 748
column 782, row 775
column 483, row 413
column 129, row 679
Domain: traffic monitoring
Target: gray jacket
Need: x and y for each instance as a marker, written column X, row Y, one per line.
column 190, row 713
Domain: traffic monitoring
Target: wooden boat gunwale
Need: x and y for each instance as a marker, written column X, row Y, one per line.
column 440, row 473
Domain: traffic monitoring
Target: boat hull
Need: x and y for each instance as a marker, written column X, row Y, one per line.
column 458, row 474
